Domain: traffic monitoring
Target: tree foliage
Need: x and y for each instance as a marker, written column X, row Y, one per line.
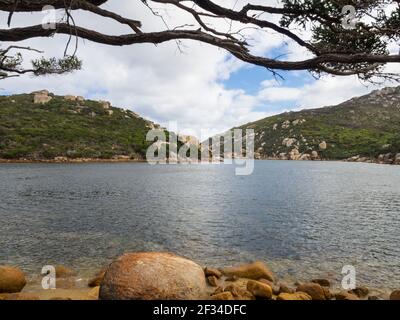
column 320, row 27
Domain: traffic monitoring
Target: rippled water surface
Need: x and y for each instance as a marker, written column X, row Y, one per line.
column 305, row 219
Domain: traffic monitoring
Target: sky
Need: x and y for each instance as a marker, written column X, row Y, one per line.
column 201, row 88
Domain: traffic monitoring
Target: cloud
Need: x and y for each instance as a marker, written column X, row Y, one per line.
column 163, row 83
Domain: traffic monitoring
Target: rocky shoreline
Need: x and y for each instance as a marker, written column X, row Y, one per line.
column 388, row 159
column 166, row 276
column 71, row 160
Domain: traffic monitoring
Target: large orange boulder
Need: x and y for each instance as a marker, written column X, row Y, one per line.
column 153, row 276
column 12, row 279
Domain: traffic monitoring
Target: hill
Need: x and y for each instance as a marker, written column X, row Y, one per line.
column 361, row 129
column 41, row 126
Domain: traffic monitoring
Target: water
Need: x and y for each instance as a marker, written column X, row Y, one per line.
column 305, row 219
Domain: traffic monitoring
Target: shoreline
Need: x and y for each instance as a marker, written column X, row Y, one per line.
column 79, row 160
column 105, row 161
column 250, row 281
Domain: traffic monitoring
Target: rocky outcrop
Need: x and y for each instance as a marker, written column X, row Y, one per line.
column 74, row 98
column 153, row 276
column 105, row 104
column 396, row 159
column 288, row 142
column 387, row 158
column 12, row 279
column 41, row 97
column 314, row 155
column 294, row 154
column 70, row 98
column 256, row 270
column 189, row 140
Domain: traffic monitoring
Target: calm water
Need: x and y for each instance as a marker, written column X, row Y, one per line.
column 305, row 219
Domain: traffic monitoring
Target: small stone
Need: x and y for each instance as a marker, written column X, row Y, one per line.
column 223, row 296
column 284, row 288
column 314, row 155
column 275, row 288
column 344, row 295
column 373, row 298
column 395, row 295
column 313, row 289
column 212, row 281
column 243, row 294
column 212, row 272
column 327, row 293
column 233, row 289
column 360, row 292
column 322, row 282
column 259, row 289
column 294, row 296
column 218, row 290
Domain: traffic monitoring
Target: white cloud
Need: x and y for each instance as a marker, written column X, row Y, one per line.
column 163, row 84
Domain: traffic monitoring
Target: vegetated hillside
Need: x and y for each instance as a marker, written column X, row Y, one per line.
column 366, row 126
column 44, row 126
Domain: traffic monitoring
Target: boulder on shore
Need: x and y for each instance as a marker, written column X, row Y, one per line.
column 395, row 295
column 259, row 289
column 255, row 271
column 344, row 295
column 153, row 276
column 322, row 282
column 212, row 272
column 360, row 292
column 12, row 279
column 314, row 290
column 294, row 296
